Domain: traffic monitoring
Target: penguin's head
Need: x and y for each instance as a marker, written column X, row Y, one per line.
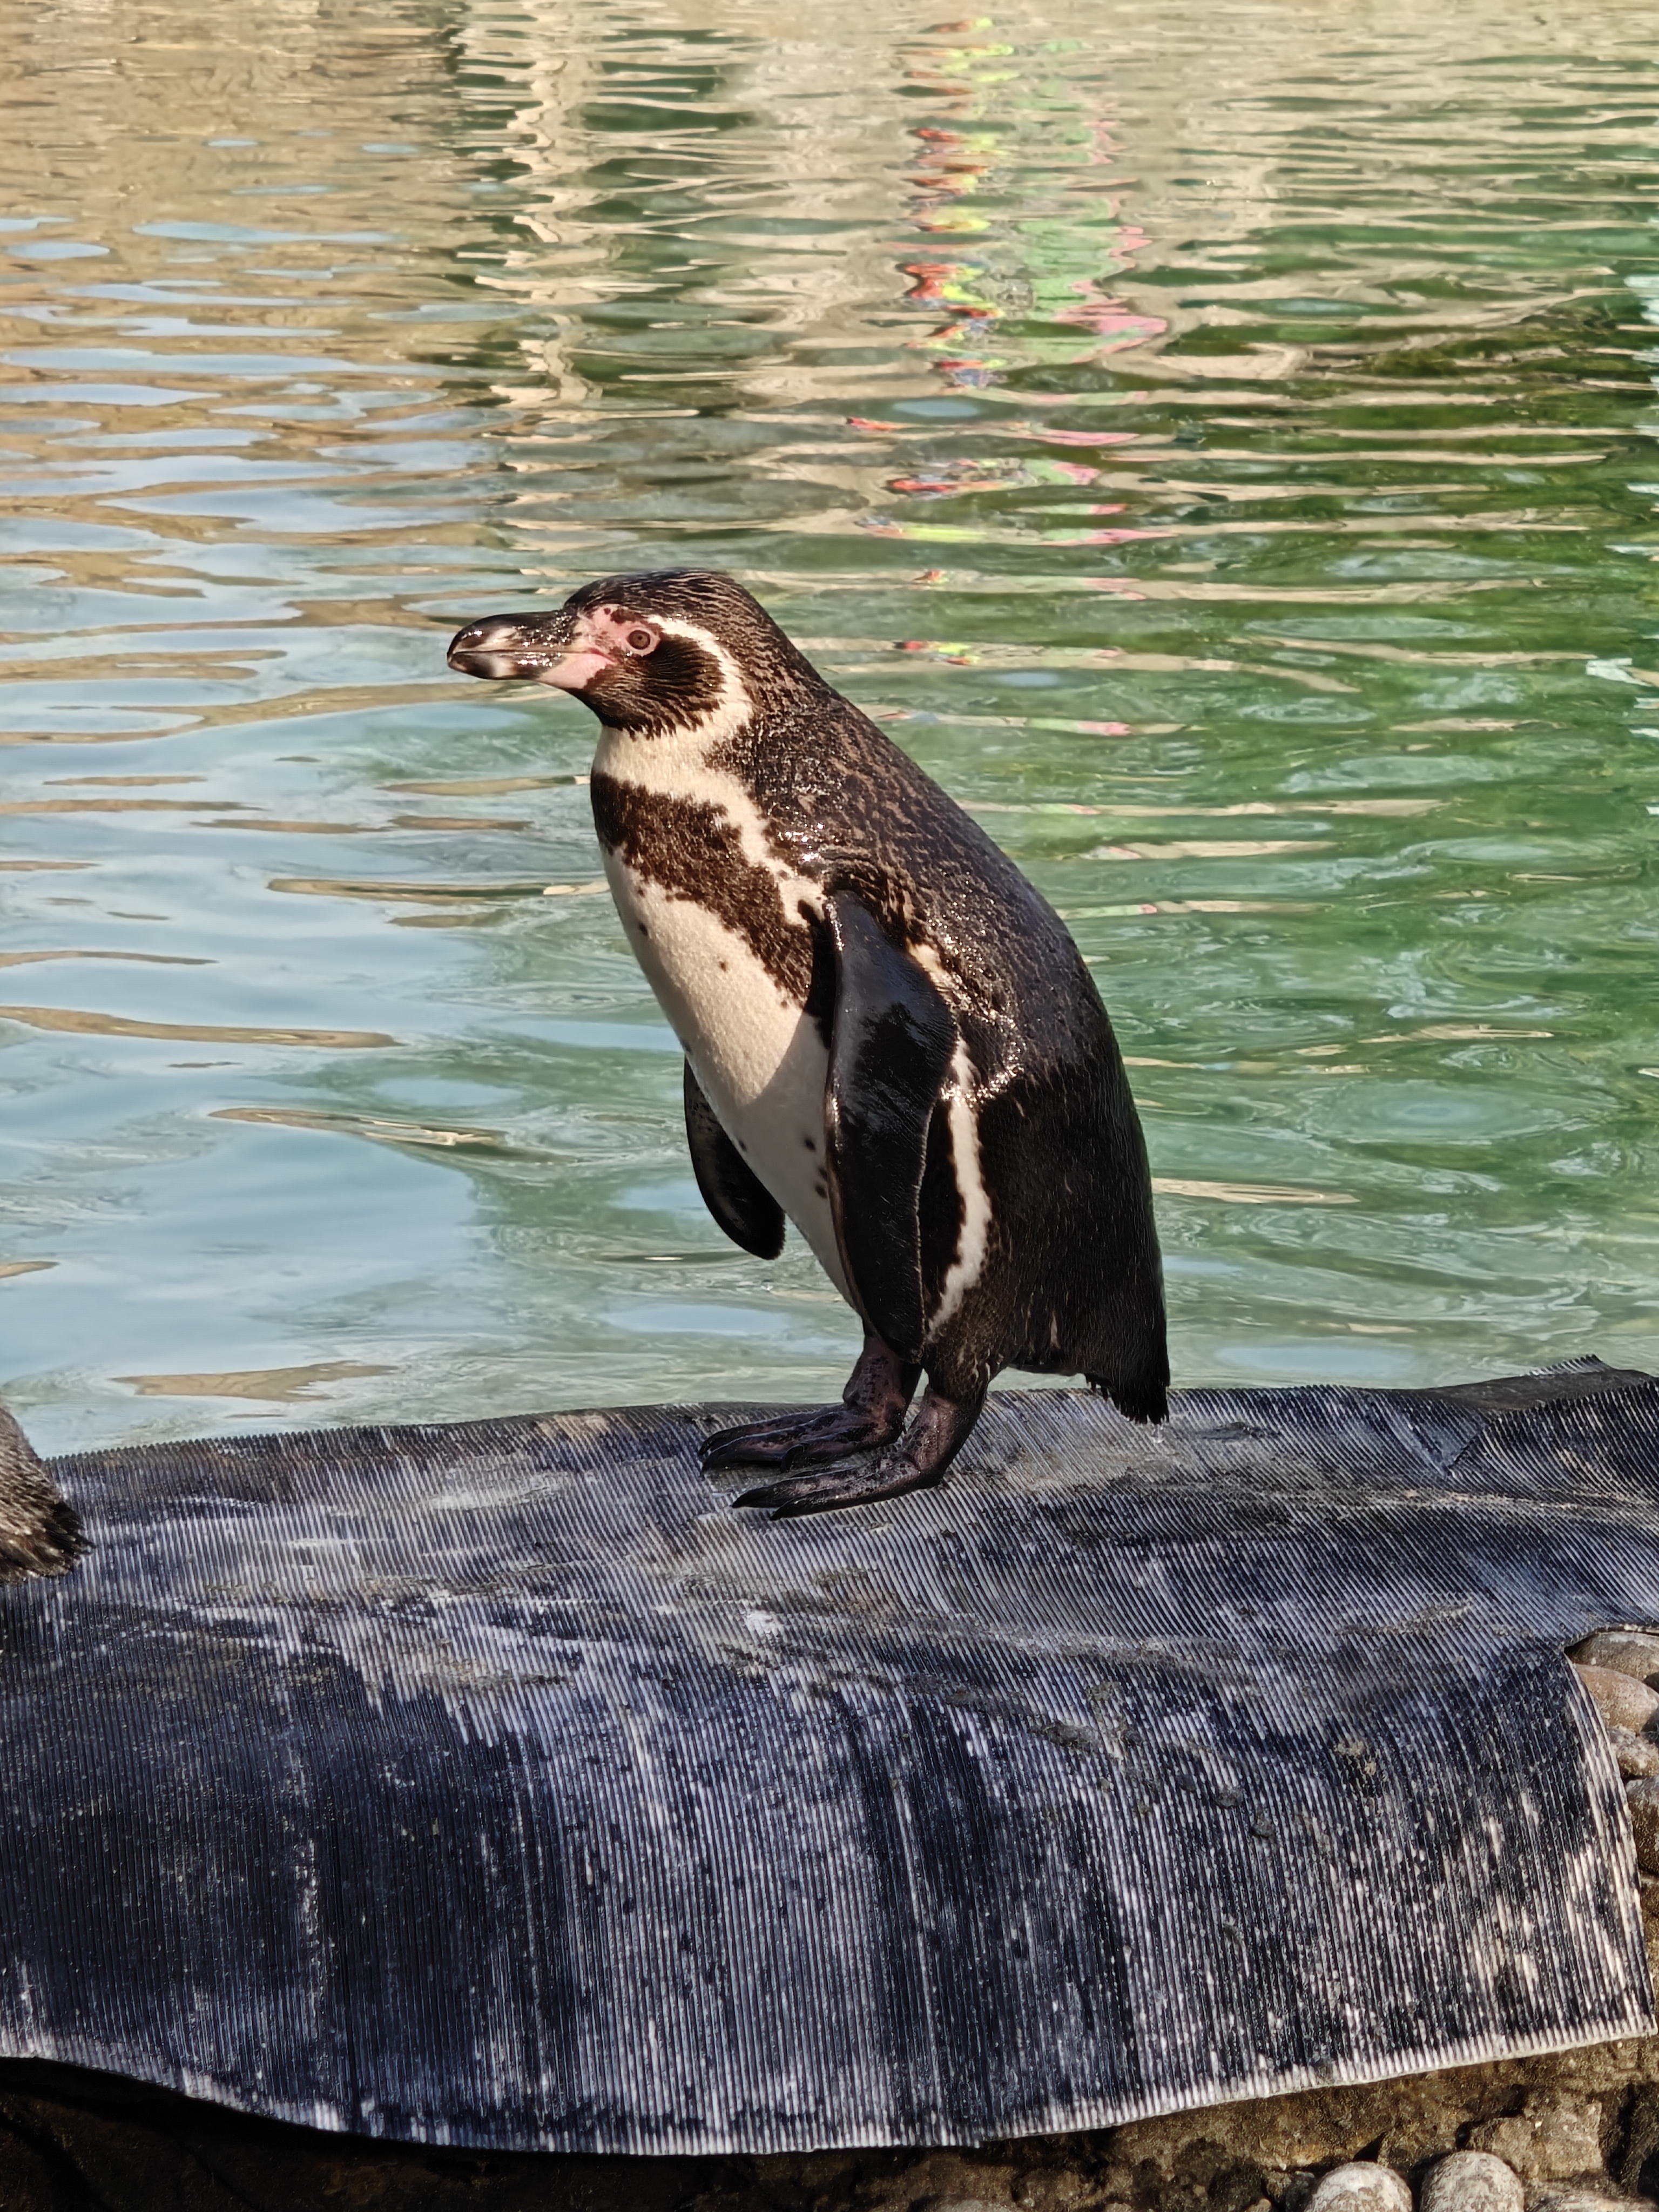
column 670, row 649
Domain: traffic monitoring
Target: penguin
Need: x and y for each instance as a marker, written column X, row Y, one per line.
column 891, row 1039
column 39, row 1532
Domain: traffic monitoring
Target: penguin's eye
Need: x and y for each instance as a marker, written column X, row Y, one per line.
column 641, row 639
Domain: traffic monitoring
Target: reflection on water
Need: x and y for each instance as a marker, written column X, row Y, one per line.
column 270, row 1386
column 1232, row 482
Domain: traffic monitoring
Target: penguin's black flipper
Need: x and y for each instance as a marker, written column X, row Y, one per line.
column 731, row 1191
column 891, row 1047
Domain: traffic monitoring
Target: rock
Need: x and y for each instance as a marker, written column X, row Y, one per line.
column 1622, row 1701
column 938, row 2181
column 1622, row 1651
column 1557, row 2140
column 1360, row 2189
column 1642, row 1798
column 1237, row 2188
column 1470, row 2181
column 1584, row 2200
column 1638, row 1755
column 1636, row 2167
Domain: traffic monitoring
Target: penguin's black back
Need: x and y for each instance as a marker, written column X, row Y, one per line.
column 1072, row 1281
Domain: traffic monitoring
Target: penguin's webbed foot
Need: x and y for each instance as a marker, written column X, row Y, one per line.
column 799, row 1439
column 890, row 1476
column 871, row 1413
column 935, row 1436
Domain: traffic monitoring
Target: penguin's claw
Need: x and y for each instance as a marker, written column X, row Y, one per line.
column 834, row 1486
column 796, row 1439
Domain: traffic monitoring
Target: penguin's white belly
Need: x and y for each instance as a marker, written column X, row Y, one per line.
column 761, row 1062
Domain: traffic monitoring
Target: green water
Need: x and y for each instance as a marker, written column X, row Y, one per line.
column 1218, row 441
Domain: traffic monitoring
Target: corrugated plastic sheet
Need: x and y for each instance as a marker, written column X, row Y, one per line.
column 500, row 1784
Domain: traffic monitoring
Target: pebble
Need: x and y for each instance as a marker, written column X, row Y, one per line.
column 1555, row 2139
column 1360, row 2189
column 1621, row 1700
column 1638, row 1755
column 1472, row 2181
column 1642, row 1798
column 1622, row 1651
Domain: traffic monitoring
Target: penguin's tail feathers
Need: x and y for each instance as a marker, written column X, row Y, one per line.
column 1144, row 1398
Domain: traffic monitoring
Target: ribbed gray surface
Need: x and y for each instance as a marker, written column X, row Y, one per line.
column 499, row 1784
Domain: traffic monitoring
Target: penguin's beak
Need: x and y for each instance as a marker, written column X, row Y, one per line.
column 537, row 648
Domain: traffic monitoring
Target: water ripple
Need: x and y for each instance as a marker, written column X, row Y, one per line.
column 1237, row 486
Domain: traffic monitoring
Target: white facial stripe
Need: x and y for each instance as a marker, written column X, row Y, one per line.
column 974, row 1239
column 677, row 761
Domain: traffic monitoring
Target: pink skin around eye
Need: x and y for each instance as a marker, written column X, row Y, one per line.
column 605, row 640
